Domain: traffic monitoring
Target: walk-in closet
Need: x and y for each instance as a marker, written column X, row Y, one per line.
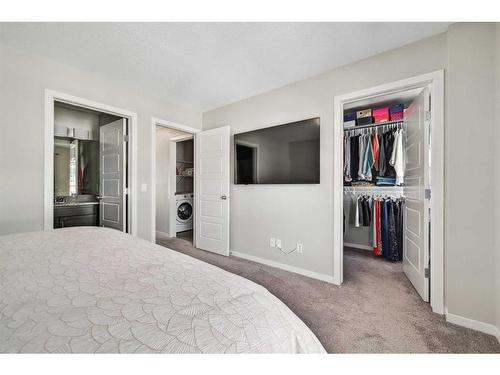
column 386, row 166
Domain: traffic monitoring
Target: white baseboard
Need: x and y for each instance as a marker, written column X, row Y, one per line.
column 162, row 235
column 286, row 267
column 476, row 325
column 357, row 246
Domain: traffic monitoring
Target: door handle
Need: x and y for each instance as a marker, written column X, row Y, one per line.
column 223, row 197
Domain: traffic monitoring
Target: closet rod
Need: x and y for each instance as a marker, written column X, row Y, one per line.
column 374, row 125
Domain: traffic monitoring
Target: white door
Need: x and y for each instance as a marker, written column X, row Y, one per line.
column 112, row 156
column 416, row 209
column 212, row 149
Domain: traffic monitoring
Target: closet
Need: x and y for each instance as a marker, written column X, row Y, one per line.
column 386, row 178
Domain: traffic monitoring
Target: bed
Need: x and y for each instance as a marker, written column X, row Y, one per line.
column 97, row 290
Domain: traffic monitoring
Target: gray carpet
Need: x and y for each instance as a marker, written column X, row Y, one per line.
column 376, row 310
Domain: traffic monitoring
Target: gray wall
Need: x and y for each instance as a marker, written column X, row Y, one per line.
column 304, row 213
column 23, row 80
column 469, row 153
column 497, row 179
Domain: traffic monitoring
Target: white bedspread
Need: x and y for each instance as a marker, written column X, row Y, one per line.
column 96, row 290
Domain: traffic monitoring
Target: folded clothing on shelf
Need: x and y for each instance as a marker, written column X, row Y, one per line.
column 386, row 181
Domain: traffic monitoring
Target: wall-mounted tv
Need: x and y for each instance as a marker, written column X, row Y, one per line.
column 283, row 154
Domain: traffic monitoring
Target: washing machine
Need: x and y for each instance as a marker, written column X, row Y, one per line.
column 184, row 211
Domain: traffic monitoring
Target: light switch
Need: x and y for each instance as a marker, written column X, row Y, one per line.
column 144, row 188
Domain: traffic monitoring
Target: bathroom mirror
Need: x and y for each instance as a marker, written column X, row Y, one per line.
column 76, row 167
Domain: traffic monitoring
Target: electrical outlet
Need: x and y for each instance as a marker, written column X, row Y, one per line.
column 299, row 248
column 278, row 243
column 272, row 242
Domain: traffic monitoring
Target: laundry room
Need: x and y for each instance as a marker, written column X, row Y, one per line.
column 174, row 184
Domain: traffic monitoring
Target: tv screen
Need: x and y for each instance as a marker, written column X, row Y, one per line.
column 283, row 154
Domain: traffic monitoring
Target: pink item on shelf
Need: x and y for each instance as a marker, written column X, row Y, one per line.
column 397, row 116
column 381, row 114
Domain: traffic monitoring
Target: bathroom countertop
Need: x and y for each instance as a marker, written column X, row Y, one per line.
column 69, row 204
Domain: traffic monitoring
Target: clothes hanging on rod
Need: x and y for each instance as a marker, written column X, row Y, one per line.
column 397, row 160
column 384, row 216
column 374, row 156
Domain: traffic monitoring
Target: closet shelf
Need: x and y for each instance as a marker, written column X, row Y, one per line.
column 375, row 125
column 373, row 188
column 184, row 161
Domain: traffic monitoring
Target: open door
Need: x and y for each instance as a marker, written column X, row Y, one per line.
column 212, row 152
column 416, row 208
column 113, row 162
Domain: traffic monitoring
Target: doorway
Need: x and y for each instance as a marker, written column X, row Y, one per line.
column 173, row 169
column 210, row 178
column 405, row 195
column 90, row 164
column 174, row 187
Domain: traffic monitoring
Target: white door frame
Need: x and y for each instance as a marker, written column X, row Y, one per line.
column 435, row 81
column 52, row 96
column 169, row 125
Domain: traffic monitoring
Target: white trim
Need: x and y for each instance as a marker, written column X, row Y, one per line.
column 165, row 124
column 286, row 267
column 52, row 96
column 357, row 246
column 172, row 212
column 476, row 325
column 181, row 138
column 436, row 82
column 163, row 235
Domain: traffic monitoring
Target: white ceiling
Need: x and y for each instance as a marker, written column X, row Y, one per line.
column 208, row 65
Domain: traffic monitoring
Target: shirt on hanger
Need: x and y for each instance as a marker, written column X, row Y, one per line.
column 397, row 157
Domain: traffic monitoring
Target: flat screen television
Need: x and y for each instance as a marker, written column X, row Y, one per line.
column 283, row 154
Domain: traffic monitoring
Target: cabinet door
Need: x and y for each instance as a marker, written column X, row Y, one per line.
column 78, row 221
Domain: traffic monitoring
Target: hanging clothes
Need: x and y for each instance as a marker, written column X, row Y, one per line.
column 362, row 145
column 374, row 159
column 347, row 159
column 375, row 229
column 386, row 169
column 354, row 162
column 356, row 212
column 393, row 251
column 365, row 211
column 397, row 159
column 368, row 159
column 375, row 151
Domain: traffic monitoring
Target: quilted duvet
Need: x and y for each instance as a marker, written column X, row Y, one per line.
column 96, row 290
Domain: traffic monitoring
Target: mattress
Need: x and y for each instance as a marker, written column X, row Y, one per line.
column 97, row 290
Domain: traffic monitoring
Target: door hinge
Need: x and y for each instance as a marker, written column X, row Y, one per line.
column 427, row 193
column 125, row 137
column 125, row 191
column 427, row 273
column 427, row 115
